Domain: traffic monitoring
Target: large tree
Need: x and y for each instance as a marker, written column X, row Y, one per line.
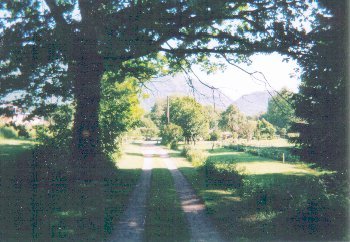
column 190, row 115
column 61, row 48
column 232, row 120
column 322, row 100
column 280, row 109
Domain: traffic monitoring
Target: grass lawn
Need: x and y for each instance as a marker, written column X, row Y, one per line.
column 255, row 165
column 165, row 221
column 278, row 142
column 44, row 205
column 10, row 148
column 276, row 201
column 206, row 145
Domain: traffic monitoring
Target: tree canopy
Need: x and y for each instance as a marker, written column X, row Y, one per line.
column 232, row 120
column 280, row 109
column 61, row 49
column 322, row 100
column 190, row 116
column 264, row 129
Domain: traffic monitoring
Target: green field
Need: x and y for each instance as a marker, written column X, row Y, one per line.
column 206, row 145
column 255, row 165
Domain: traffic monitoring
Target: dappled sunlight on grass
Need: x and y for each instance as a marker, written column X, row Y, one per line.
column 251, row 164
column 260, row 217
column 15, row 141
column 165, row 220
column 269, row 167
column 11, row 148
column 132, row 157
column 42, row 203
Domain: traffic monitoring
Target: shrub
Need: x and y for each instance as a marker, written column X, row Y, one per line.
column 8, row 132
column 174, row 145
column 185, row 150
column 22, row 131
column 297, row 197
column 171, row 134
column 215, row 135
column 224, row 174
column 196, row 157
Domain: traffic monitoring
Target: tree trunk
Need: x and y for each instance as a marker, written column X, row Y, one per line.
column 88, row 70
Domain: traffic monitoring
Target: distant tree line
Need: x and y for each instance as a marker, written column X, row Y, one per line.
column 190, row 121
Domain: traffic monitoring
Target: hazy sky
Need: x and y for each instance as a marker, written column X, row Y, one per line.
column 235, row 83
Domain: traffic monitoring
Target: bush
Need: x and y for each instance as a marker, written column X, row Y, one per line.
column 22, row 131
column 223, row 174
column 215, row 135
column 174, row 145
column 218, row 173
column 196, row 157
column 171, row 134
column 305, row 202
column 267, row 193
column 8, row 132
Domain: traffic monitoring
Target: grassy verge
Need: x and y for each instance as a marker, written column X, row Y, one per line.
column 165, row 220
column 273, row 201
column 41, row 203
column 11, row 148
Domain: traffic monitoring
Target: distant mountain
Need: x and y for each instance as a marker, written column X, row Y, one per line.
column 250, row 104
column 178, row 86
column 253, row 104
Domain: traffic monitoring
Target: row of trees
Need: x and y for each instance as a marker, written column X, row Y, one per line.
column 190, row 121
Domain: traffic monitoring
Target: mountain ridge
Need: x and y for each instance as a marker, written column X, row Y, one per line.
column 250, row 104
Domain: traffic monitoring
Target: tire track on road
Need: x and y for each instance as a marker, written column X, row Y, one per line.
column 131, row 226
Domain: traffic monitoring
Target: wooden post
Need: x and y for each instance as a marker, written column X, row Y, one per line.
column 283, row 157
column 168, row 109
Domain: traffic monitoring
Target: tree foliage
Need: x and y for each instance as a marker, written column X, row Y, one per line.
column 61, row 49
column 264, row 129
column 148, row 128
column 280, row 110
column 190, row 116
column 322, row 100
column 232, row 120
column 119, row 110
column 214, row 116
column 248, row 129
column 171, row 134
column 157, row 112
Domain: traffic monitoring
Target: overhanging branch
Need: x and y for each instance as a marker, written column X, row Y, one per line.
column 56, row 13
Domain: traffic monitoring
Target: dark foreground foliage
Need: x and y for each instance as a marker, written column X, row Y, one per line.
column 42, row 200
column 269, row 207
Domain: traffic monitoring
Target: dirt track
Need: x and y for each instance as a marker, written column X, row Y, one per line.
column 131, row 225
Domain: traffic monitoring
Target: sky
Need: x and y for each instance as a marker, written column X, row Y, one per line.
column 235, row 83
